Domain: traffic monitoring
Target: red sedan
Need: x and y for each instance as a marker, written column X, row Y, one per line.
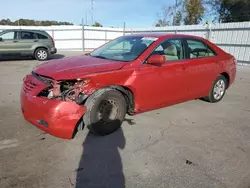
column 129, row 75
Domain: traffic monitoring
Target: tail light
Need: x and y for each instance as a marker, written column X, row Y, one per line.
column 235, row 60
column 53, row 42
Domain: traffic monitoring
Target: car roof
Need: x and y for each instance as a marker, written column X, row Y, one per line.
column 31, row 30
column 164, row 35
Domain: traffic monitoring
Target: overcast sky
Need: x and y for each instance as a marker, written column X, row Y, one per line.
column 136, row 13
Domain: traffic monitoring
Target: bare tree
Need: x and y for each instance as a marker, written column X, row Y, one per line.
column 164, row 17
column 170, row 15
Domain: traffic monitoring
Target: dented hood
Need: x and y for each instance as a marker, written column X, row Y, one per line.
column 76, row 67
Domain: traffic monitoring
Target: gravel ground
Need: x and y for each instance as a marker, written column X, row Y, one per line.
column 193, row 144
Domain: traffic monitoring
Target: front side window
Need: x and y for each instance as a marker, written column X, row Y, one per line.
column 126, row 48
column 198, row 49
column 27, row 35
column 172, row 49
column 8, row 35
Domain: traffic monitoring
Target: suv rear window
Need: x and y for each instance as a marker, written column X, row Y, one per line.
column 40, row 36
column 28, row 35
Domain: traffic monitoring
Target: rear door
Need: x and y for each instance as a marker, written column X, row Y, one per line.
column 8, row 43
column 202, row 67
column 26, row 41
column 44, row 39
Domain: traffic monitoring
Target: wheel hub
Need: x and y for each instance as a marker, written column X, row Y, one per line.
column 219, row 89
column 42, row 54
column 108, row 111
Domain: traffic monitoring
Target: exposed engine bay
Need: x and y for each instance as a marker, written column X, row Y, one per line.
column 70, row 90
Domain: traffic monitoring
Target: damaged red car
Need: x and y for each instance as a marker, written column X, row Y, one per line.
column 129, row 75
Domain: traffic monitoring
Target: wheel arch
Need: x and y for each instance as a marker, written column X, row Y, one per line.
column 226, row 75
column 129, row 96
column 126, row 92
column 37, row 47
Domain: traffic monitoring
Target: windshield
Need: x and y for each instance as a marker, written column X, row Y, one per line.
column 126, row 48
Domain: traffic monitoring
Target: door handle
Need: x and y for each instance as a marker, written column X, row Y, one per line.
column 15, row 41
column 35, row 40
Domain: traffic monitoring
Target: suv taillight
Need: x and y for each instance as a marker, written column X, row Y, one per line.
column 53, row 42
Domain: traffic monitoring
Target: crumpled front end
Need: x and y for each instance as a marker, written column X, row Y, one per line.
column 48, row 108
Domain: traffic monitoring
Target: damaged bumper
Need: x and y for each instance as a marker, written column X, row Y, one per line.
column 58, row 118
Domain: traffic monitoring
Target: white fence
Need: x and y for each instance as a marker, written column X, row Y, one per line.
column 234, row 38
column 76, row 37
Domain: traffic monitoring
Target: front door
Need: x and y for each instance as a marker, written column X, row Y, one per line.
column 8, row 43
column 166, row 84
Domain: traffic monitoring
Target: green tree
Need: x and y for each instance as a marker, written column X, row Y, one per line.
column 194, row 10
column 229, row 10
column 5, row 22
column 178, row 18
column 97, row 24
column 234, row 10
column 29, row 22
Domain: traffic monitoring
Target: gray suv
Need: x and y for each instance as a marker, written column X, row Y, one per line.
column 36, row 43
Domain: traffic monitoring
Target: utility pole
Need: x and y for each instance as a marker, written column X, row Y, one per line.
column 92, row 11
column 83, row 38
column 124, row 29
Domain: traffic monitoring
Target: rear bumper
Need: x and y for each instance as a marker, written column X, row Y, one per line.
column 53, row 50
column 58, row 118
column 232, row 75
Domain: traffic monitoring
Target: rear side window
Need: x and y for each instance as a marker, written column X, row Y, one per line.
column 198, row 49
column 40, row 36
column 27, row 35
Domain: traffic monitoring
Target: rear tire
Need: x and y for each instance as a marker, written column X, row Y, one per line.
column 41, row 54
column 218, row 90
column 106, row 110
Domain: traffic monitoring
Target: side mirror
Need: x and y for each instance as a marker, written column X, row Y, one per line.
column 1, row 39
column 156, row 59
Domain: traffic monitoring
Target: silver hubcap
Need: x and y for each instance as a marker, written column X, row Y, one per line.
column 42, row 54
column 219, row 89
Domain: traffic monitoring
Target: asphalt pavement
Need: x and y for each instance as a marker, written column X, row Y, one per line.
column 190, row 145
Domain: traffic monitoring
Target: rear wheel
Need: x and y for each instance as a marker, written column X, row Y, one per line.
column 106, row 110
column 41, row 54
column 218, row 90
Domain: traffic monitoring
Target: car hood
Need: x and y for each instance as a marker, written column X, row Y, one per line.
column 76, row 67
